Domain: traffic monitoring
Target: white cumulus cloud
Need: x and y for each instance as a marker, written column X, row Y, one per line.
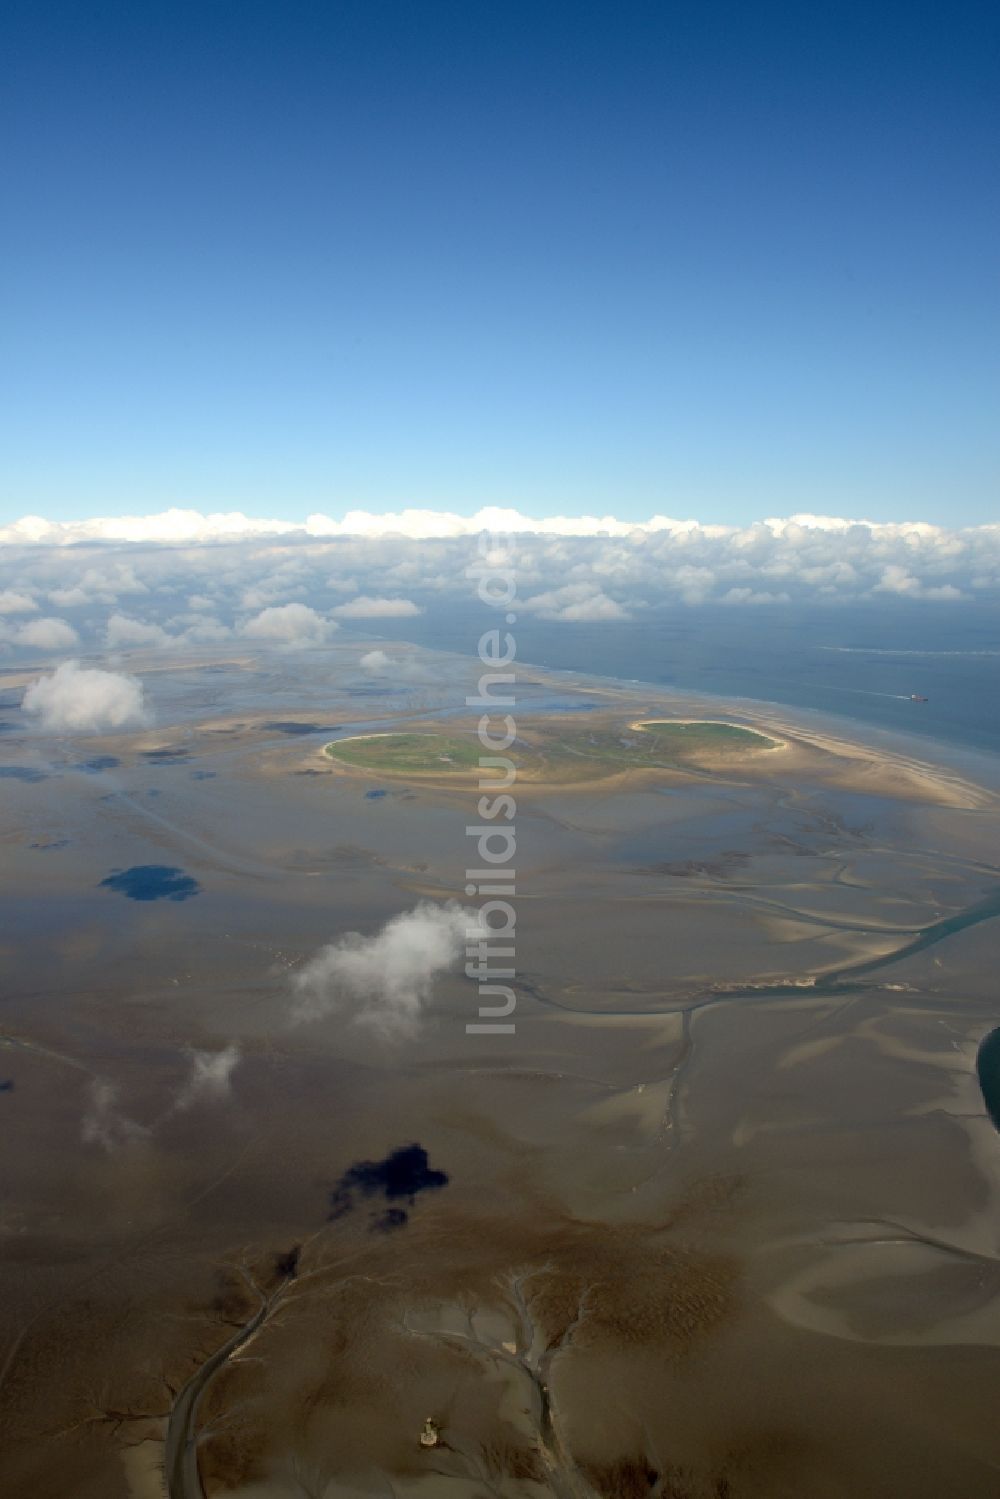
column 290, row 625
column 750, row 596
column 206, row 630
column 85, row 699
column 104, row 1123
column 210, row 1079
column 122, row 631
column 579, row 602
column 384, row 981
column 898, row 579
column 69, row 598
column 376, row 661
column 48, row 634
column 367, row 607
column 14, row 602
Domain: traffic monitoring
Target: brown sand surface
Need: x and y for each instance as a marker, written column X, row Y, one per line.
column 721, row 1215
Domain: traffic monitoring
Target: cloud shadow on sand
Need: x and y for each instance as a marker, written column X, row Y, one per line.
column 401, row 1176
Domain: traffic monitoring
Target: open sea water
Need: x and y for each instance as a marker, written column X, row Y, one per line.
column 858, row 663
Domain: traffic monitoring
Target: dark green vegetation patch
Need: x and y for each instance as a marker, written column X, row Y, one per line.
column 409, row 754
column 703, row 737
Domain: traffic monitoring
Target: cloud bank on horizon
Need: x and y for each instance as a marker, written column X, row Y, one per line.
column 176, row 525
column 183, row 578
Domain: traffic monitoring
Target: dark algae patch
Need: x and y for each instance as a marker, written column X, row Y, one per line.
column 400, row 1177
column 152, row 882
column 22, row 773
column 988, row 1072
column 293, row 727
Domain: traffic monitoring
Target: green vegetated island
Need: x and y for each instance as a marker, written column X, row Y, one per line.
column 557, row 752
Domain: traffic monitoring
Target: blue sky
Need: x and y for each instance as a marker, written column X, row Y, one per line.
column 723, row 260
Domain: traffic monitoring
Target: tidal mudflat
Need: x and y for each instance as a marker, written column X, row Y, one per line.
column 719, row 1221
